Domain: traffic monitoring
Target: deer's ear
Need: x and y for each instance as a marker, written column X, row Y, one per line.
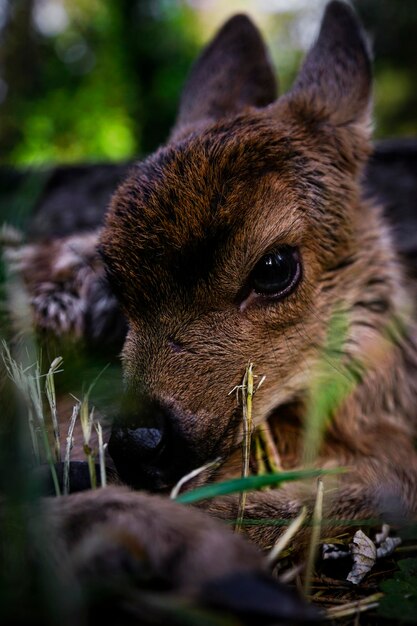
column 335, row 81
column 234, row 71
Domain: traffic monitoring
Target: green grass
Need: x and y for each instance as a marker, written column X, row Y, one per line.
column 251, row 483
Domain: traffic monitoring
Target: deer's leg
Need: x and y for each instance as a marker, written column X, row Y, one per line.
column 68, row 292
column 122, row 550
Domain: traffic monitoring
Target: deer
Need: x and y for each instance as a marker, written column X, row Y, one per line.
column 238, row 242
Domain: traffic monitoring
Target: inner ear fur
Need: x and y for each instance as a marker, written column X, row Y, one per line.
column 233, row 72
column 335, row 81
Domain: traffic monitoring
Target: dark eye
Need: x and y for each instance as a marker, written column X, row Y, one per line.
column 277, row 273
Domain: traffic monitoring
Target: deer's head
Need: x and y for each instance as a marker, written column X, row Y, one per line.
column 224, row 246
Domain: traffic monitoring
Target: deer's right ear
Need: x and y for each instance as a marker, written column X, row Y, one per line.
column 335, row 81
column 233, row 72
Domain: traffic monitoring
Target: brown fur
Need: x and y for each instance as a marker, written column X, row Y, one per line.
column 200, row 212
column 121, row 557
column 188, row 225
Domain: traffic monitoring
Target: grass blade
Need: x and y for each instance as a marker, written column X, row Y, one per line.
column 251, row 483
column 331, row 383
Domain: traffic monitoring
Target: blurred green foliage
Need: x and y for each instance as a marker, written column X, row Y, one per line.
column 392, row 25
column 90, row 90
column 100, row 79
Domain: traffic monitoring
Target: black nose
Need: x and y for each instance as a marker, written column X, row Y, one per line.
column 136, row 443
column 145, row 447
column 149, row 440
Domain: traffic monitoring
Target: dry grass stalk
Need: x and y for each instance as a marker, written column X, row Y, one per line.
column 101, row 454
column 29, row 386
column 19, row 377
column 353, row 608
column 177, row 488
column 267, row 443
column 286, row 537
column 412, row 548
column 247, row 397
column 75, row 413
column 51, row 396
column 86, row 419
column 261, row 467
column 315, row 537
column 291, row 574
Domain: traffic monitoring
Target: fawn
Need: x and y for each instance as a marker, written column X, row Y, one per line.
column 237, row 242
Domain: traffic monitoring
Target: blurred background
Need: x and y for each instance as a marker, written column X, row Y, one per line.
column 99, row 80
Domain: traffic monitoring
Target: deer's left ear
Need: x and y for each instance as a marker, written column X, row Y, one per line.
column 233, row 72
column 335, row 81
